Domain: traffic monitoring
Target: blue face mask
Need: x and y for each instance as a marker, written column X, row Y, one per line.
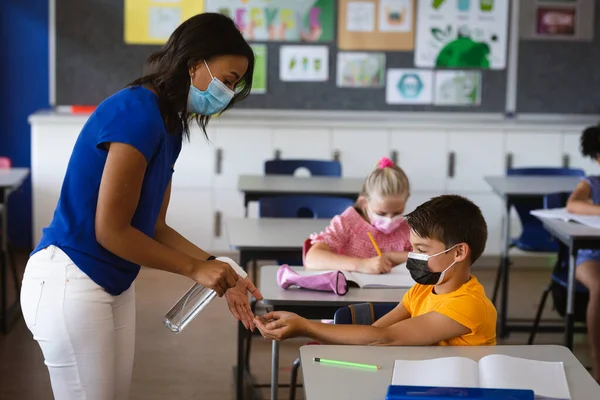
column 211, row 101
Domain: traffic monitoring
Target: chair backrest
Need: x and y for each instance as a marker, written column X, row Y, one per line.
column 534, row 237
column 311, row 207
column 5, row 163
column 362, row 313
column 315, row 167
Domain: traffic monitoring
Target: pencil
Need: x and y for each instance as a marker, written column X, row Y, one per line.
column 346, row 363
column 374, row 244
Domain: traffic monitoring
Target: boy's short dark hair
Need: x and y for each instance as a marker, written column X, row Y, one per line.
column 590, row 142
column 451, row 219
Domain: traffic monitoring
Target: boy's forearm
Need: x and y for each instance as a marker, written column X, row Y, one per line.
column 365, row 335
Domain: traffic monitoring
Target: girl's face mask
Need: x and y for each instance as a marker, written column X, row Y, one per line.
column 383, row 224
column 417, row 265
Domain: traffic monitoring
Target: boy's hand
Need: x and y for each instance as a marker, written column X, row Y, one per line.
column 281, row 325
column 237, row 301
column 376, row 265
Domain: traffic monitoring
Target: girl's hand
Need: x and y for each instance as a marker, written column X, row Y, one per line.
column 376, row 265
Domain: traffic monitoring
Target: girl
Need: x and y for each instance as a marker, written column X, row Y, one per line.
column 345, row 244
column 78, row 297
column 585, row 199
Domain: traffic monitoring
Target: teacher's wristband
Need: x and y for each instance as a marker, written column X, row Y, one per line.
column 210, row 258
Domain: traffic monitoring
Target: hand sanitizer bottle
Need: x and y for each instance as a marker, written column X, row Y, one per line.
column 194, row 301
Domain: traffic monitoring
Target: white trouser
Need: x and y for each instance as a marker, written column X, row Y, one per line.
column 87, row 335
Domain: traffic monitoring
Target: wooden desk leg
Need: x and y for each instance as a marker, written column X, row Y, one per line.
column 505, row 265
column 274, row 369
column 570, row 320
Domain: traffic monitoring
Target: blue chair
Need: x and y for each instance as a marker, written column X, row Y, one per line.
column 559, row 278
column 311, row 207
column 355, row 314
column 534, row 237
column 315, row 167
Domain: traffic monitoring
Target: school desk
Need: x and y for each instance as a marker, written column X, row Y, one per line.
column 324, row 382
column 510, row 189
column 255, row 187
column 10, row 180
column 313, row 305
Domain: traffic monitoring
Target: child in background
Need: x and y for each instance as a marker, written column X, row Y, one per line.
column 585, row 199
column 447, row 305
column 345, row 244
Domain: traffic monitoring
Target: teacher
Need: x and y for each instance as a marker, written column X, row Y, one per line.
column 78, row 295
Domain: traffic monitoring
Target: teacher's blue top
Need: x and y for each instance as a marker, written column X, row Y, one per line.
column 131, row 116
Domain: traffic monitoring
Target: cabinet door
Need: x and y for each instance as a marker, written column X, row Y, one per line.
column 229, row 203
column 360, row 149
column 476, row 155
column 191, row 214
column 492, row 209
column 418, row 198
column 195, row 167
column 423, row 156
column 575, row 159
column 241, row 151
column 534, row 149
column 311, row 143
column 51, row 147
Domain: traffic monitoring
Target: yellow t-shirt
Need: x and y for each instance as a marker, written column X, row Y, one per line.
column 468, row 305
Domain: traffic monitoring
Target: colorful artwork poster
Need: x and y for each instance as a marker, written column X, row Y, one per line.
column 280, row 20
column 304, row 63
column 457, row 88
column 409, row 86
column 259, row 78
column 555, row 21
column 462, row 34
column 360, row 70
column 153, row 21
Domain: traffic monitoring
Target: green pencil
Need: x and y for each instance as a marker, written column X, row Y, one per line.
column 346, row 363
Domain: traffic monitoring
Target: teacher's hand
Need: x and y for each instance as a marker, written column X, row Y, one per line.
column 238, row 303
column 215, row 275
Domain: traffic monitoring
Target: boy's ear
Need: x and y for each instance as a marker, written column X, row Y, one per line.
column 462, row 252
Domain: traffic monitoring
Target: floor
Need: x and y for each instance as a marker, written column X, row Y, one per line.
column 197, row 364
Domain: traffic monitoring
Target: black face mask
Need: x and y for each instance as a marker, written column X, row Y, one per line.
column 417, row 265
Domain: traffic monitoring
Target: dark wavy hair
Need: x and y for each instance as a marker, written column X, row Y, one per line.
column 201, row 37
column 590, row 142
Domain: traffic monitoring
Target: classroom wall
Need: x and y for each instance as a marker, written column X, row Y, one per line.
column 24, row 90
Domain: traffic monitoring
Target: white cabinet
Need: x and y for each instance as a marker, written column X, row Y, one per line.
column 492, row 209
column 576, row 160
column 360, row 150
column 313, row 143
column 534, row 149
column 191, row 214
column 418, row 198
column 476, row 155
column 241, row 151
column 229, row 203
column 196, row 163
column 423, row 156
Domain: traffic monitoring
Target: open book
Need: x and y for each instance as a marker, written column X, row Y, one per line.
column 399, row 277
column 546, row 379
column 562, row 214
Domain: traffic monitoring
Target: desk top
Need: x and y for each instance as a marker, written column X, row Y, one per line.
column 515, row 186
column 271, row 233
column 276, row 296
column 569, row 231
column 12, row 178
column 324, row 382
column 282, row 184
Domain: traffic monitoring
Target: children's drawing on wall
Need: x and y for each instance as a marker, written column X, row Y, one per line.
column 462, row 34
column 409, row 86
column 457, row 88
column 259, row 78
column 360, row 70
column 304, row 63
column 279, row 20
column 395, row 15
column 556, row 21
column 360, row 16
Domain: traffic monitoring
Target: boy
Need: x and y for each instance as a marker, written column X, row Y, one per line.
column 447, row 305
column 585, row 199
